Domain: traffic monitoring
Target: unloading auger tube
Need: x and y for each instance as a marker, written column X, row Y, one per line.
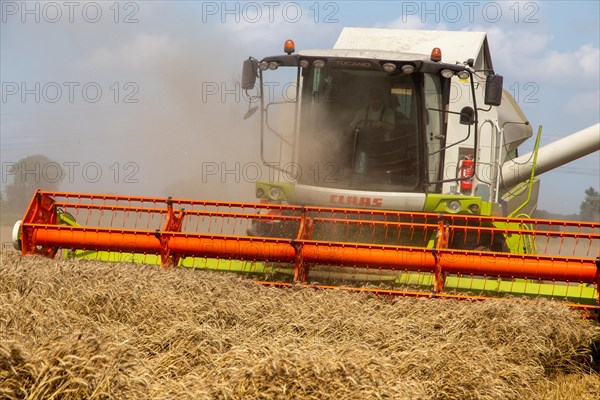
column 403, row 253
column 552, row 155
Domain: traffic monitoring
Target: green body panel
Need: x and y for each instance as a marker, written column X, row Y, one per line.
column 576, row 293
column 439, row 203
column 187, row 262
column 476, row 286
column 521, row 199
column 518, row 244
column 263, row 191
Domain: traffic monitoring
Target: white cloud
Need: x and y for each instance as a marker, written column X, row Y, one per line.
column 412, row 22
column 581, row 64
column 588, row 59
column 584, row 103
column 271, row 34
column 509, row 44
column 525, row 55
column 404, row 22
column 310, row 26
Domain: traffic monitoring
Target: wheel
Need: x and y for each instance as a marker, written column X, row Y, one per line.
column 16, row 235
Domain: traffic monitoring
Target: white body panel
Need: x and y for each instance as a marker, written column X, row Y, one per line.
column 456, row 46
column 318, row 196
column 362, row 53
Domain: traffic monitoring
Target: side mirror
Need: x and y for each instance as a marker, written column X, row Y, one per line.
column 493, row 90
column 467, row 116
column 249, row 73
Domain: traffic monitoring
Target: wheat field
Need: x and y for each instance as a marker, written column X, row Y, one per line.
column 74, row 329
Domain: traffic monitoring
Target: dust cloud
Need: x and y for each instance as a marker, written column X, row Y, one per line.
column 193, row 141
column 182, row 136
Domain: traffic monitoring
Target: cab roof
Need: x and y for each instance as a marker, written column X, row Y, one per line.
column 456, row 46
column 362, row 53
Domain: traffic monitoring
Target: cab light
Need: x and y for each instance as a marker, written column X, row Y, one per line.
column 319, row 63
column 289, row 47
column 447, row 73
column 408, row 69
column 389, row 67
column 436, row 54
column 463, row 75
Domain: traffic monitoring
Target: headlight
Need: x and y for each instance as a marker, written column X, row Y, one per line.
column 474, row 208
column 274, row 193
column 453, row 206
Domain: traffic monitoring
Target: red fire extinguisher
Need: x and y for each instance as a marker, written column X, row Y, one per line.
column 466, row 173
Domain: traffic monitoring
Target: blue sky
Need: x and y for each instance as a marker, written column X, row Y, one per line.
column 158, row 121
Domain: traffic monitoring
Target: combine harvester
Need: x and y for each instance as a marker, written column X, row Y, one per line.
column 405, row 180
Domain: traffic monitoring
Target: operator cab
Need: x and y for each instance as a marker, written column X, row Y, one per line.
column 371, row 123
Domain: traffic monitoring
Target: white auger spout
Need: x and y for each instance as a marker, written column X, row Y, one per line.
column 553, row 155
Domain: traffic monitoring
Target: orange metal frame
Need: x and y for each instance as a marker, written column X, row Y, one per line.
column 42, row 234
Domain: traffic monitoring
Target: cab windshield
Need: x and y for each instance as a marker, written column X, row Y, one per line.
column 359, row 130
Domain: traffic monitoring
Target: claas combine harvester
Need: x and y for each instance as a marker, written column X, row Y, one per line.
column 396, row 172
